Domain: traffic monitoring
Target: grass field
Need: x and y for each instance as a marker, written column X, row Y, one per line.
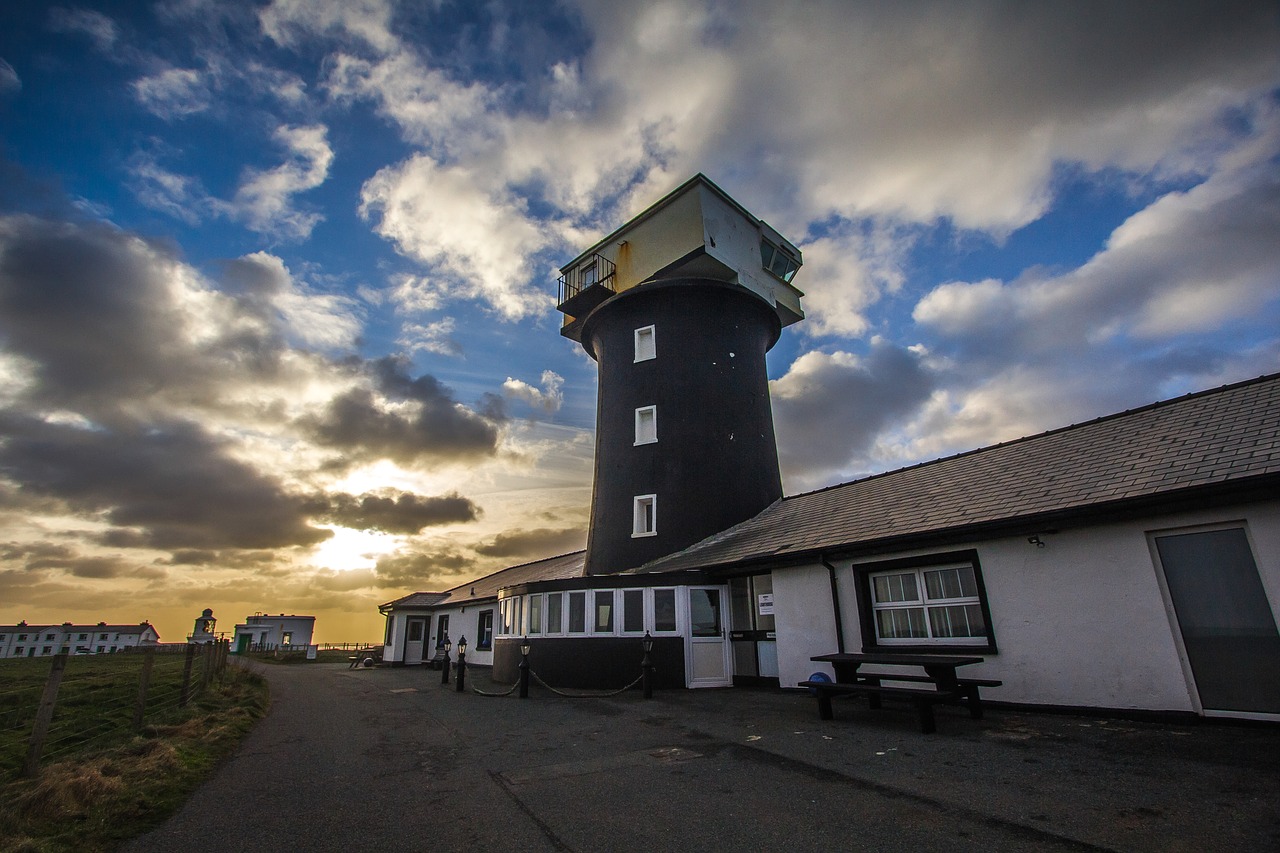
column 102, row 781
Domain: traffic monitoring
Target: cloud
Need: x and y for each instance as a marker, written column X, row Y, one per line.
column 419, row 569
column 307, row 318
column 264, row 200
column 100, row 29
column 396, row 513
column 9, row 80
column 434, row 337
column 536, row 542
column 549, row 398
column 1194, row 261
column 410, row 421
column 366, row 22
column 830, row 409
column 173, row 93
column 476, row 242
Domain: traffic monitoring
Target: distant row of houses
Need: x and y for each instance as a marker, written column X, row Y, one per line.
column 257, row 632
column 31, row 641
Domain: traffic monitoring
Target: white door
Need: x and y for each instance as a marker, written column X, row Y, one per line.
column 707, row 652
column 415, row 633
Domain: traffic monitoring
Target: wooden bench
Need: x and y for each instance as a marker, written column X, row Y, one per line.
column 437, row 662
column 967, row 687
column 924, row 700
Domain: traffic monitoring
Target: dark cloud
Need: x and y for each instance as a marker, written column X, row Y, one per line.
column 169, row 486
column 432, row 427
column 420, row 570
column 829, row 409
column 402, row 513
column 540, row 542
column 91, row 308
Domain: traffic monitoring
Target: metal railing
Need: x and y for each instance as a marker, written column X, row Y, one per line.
column 596, row 269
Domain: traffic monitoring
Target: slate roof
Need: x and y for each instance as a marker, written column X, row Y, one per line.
column 1193, row 447
column 552, row 568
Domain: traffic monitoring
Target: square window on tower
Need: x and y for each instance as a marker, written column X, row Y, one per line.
column 646, row 346
column 646, row 425
column 645, row 516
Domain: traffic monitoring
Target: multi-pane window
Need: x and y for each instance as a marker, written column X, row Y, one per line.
column 644, row 516
column 777, row 261
column 484, row 630
column 930, row 604
column 646, row 344
column 646, row 425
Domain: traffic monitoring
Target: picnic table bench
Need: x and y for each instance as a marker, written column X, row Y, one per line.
column 371, row 655
column 940, row 671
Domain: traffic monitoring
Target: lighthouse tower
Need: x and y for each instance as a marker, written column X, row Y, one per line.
column 678, row 307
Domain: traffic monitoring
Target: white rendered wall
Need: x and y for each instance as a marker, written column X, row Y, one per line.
column 1080, row 622
column 804, row 620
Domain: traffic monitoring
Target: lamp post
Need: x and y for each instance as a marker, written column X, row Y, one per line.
column 462, row 663
column 444, row 667
column 646, row 666
column 524, row 668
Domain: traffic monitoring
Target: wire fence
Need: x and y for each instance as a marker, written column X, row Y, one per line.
column 52, row 708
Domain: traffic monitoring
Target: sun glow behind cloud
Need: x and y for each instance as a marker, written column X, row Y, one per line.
column 351, row 549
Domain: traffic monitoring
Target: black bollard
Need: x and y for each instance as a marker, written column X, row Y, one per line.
column 462, row 664
column 646, row 666
column 444, row 666
column 524, row 669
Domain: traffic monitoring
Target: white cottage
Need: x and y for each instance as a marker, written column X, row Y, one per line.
column 264, row 632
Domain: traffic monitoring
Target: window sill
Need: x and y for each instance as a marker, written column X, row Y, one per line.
column 642, row 535
column 930, row 649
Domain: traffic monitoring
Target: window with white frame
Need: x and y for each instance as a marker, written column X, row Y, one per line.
column 555, row 612
column 933, row 602
column 664, row 611
column 646, row 425
column 535, row 614
column 633, row 611
column 644, row 516
column 603, row 612
column 646, row 344
column 577, row 613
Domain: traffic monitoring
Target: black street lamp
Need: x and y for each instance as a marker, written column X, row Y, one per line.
column 444, row 666
column 462, row 664
column 525, row 646
column 646, row 665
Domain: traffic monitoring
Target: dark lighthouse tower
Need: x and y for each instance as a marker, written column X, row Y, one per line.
column 678, row 308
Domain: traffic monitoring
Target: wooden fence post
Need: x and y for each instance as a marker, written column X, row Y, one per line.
column 148, row 662
column 206, row 667
column 44, row 716
column 186, row 676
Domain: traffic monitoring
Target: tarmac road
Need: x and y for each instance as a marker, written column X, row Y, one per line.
column 389, row 760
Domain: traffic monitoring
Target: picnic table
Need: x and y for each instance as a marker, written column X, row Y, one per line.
column 945, row 687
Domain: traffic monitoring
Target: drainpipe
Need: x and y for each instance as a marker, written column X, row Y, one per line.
column 835, row 604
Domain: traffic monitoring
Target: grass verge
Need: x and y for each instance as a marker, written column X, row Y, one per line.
column 92, row 801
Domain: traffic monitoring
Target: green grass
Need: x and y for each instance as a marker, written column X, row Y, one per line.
column 94, row 792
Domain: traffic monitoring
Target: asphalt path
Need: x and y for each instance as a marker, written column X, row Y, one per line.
column 391, row 760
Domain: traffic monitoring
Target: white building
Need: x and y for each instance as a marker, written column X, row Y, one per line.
column 264, row 632
column 31, row 641
column 1131, row 563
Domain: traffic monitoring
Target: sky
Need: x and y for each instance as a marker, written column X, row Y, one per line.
column 277, row 279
